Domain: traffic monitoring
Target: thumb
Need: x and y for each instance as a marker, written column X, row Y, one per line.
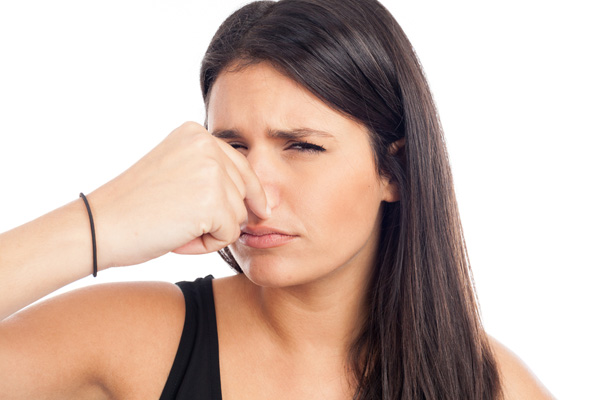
column 201, row 245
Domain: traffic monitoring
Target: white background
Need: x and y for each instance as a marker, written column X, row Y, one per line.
column 87, row 88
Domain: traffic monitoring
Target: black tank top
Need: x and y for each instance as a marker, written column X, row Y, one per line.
column 195, row 371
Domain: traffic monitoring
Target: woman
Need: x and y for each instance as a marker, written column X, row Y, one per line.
column 322, row 177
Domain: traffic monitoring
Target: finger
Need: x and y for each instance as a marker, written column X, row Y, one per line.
column 255, row 197
column 194, row 246
column 238, row 209
column 235, row 176
column 210, row 242
column 234, row 208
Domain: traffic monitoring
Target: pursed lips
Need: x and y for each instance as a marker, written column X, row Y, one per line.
column 263, row 237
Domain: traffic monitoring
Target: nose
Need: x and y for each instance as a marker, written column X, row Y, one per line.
column 269, row 174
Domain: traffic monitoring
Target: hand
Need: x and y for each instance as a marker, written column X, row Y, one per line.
column 188, row 195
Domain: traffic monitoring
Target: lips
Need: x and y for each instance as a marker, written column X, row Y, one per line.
column 265, row 237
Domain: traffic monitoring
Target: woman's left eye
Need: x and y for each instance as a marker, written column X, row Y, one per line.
column 306, row 147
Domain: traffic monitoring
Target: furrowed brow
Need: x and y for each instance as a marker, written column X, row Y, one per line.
column 298, row 133
column 292, row 134
column 227, row 134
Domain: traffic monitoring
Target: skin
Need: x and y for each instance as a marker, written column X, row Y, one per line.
column 291, row 315
column 329, row 200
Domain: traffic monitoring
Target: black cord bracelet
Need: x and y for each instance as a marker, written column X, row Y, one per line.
column 94, row 253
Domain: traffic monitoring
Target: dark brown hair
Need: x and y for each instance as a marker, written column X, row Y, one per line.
column 423, row 337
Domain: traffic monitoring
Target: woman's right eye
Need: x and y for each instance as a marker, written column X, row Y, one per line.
column 238, row 146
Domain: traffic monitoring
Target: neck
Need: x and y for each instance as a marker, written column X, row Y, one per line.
column 323, row 316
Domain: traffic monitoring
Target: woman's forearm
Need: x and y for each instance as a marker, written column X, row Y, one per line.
column 43, row 255
column 189, row 195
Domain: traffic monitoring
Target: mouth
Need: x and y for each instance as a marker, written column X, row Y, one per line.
column 265, row 238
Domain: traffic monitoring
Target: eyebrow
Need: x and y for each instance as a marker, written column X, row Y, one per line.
column 292, row 134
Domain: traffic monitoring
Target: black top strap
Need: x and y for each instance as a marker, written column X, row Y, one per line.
column 195, row 372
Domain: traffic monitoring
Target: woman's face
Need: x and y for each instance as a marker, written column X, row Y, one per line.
column 318, row 172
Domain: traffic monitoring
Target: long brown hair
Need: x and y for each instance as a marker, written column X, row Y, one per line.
column 423, row 338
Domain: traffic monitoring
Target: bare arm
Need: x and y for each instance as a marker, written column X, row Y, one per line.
column 44, row 255
column 111, row 341
column 189, row 194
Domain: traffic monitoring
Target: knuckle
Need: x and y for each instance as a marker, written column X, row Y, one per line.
column 212, row 166
column 191, row 125
column 212, row 173
column 201, row 141
column 234, row 233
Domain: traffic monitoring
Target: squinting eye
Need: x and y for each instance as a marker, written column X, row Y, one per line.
column 306, row 147
column 237, row 146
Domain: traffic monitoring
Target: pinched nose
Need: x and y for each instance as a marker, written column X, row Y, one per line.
column 270, row 176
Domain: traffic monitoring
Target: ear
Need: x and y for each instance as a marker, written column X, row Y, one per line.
column 390, row 190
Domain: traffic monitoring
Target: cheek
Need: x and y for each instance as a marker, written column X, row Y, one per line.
column 342, row 199
column 335, row 204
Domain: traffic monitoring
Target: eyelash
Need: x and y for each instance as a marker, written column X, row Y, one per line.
column 299, row 146
column 307, row 147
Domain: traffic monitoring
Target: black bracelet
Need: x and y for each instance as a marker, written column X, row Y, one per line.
column 94, row 253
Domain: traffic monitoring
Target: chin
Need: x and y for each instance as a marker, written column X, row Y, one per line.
column 267, row 274
column 273, row 272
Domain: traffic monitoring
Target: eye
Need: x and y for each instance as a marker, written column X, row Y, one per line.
column 306, row 147
column 237, row 146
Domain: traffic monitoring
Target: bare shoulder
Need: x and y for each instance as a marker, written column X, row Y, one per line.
column 110, row 340
column 518, row 381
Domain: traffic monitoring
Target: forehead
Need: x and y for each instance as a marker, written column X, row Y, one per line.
column 260, row 96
